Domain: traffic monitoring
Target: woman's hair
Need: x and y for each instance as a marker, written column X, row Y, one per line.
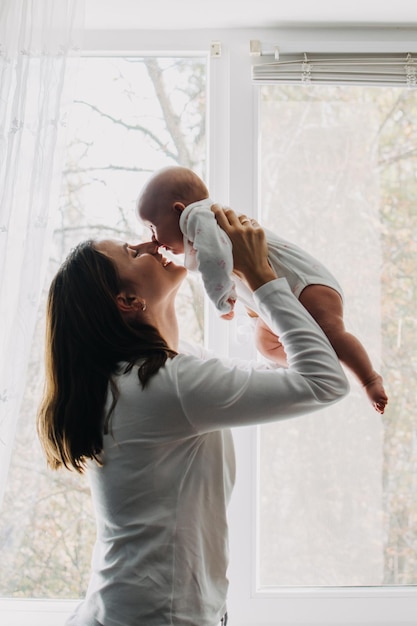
column 87, row 339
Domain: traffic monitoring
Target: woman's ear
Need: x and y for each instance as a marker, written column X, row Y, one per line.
column 130, row 304
column 124, row 303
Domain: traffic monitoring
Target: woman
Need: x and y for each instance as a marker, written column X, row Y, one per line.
column 152, row 423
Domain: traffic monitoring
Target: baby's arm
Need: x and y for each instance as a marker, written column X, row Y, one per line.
column 230, row 315
column 214, row 255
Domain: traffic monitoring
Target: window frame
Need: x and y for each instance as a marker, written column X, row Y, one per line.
column 232, row 160
column 356, row 606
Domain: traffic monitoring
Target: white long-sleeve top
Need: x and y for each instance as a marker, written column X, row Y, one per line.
column 160, row 497
column 208, row 249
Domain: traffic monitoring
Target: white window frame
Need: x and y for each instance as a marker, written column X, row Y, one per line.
column 353, row 606
column 232, row 158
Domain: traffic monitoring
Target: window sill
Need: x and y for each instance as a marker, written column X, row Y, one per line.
column 18, row 612
column 399, row 601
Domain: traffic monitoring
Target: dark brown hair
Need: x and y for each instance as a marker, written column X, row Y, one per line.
column 87, row 340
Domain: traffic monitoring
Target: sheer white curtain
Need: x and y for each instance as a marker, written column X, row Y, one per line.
column 37, row 39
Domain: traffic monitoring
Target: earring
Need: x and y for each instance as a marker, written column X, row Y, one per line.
column 143, row 306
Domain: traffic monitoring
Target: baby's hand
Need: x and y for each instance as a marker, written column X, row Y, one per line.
column 230, row 315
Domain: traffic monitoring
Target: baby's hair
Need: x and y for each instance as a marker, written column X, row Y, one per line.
column 172, row 184
column 187, row 187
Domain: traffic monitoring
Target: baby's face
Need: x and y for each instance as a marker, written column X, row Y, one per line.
column 165, row 228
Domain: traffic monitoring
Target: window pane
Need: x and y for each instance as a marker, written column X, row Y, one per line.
column 338, row 176
column 131, row 116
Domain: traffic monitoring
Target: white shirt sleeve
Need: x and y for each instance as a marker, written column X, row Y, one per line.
column 210, row 253
column 216, row 395
column 202, row 353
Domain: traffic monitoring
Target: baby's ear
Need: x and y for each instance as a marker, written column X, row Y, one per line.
column 178, row 207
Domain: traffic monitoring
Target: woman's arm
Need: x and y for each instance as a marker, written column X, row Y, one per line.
column 214, row 395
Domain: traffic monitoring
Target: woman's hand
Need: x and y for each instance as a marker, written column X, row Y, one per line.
column 250, row 250
column 269, row 344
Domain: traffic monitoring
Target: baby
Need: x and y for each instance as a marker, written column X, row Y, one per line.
column 175, row 205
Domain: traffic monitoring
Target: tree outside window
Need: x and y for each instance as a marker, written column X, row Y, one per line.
column 130, row 117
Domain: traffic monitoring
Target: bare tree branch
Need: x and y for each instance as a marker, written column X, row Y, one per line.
column 135, row 127
column 398, row 157
column 172, row 120
column 123, row 168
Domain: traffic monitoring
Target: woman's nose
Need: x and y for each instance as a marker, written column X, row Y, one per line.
column 152, row 246
column 149, row 247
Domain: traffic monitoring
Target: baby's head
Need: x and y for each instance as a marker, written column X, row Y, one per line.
column 163, row 199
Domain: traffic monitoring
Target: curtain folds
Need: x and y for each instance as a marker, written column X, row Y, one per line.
column 391, row 70
column 37, row 40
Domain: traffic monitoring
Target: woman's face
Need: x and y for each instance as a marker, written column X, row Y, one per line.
column 165, row 228
column 143, row 271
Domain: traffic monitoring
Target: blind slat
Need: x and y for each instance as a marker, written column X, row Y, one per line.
column 396, row 70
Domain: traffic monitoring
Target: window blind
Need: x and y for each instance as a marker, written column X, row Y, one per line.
column 393, row 69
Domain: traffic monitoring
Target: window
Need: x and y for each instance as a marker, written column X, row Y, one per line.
column 293, row 174
column 259, row 593
column 336, row 493
column 131, row 115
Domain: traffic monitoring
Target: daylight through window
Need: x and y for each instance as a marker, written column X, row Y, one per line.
column 130, row 117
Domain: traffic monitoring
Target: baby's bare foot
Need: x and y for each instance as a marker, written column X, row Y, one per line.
column 376, row 393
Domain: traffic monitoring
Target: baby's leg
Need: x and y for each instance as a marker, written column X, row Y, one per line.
column 325, row 305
